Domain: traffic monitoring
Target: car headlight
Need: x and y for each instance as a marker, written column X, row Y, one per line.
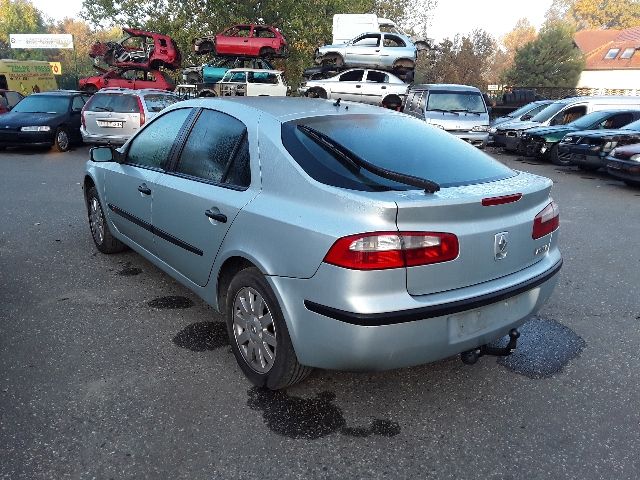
column 520, row 133
column 36, row 128
column 493, row 130
column 480, row 128
column 612, row 153
column 609, row 146
column 635, row 158
column 567, row 139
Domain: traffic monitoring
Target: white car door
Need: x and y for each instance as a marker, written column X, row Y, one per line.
column 348, row 86
column 260, row 84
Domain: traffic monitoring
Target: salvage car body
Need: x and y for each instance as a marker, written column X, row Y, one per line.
column 623, row 163
column 245, row 40
column 387, row 51
column 133, row 78
column 359, row 85
column 250, row 82
column 139, row 49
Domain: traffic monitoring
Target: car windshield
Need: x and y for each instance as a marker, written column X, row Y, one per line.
column 589, row 120
column 156, row 102
column 394, row 142
column 451, row 101
column 549, row 112
column 529, row 107
column 43, row 104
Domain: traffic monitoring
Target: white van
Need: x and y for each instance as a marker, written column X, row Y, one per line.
column 561, row 112
column 349, row 25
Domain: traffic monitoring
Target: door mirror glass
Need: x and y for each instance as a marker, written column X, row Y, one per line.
column 102, row 154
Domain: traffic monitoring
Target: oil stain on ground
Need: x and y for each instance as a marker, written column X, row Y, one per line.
column 129, row 271
column 296, row 417
column 171, row 302
column 202, row 336
column 544, row 348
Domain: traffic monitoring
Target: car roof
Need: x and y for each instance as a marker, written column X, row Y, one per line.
column 59, row 93
column 137, row 91
column 259, row 70
column 448, row 86
column 284, row 109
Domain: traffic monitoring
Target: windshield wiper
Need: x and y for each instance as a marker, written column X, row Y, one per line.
column 442, row 110
column 103, row 109
column 466, row 111
column 355, row 163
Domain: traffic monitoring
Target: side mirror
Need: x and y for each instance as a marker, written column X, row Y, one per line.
column 526, row 117
column 102, row 154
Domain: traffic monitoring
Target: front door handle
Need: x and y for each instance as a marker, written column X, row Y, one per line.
column 384, row 88
column 217, row 216
column 358, row 86
column 144, row 189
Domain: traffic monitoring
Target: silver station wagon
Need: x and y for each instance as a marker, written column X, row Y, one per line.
column 330, row 234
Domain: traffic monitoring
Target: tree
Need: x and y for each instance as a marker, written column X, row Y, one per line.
column 552, row 60
column 19, row 16
column 596, row 14
column 464, row 60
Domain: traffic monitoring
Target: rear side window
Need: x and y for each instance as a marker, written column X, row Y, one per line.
column 394, row 142
column 157, row 102
column 113, row 102
column 378, row 77
column 216, row 150
column 13, row 98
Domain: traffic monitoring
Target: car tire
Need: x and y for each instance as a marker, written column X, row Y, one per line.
column 555, row 159
column 62, row 140
column 258, row 333
column 588, row 168
column 317, row 93
column 102, row 237
column 632, row 183
column 392, row 102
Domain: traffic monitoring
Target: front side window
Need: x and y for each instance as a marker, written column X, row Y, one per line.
column 569, row 115
column 216, row 150
column 151, row 147
column 395, row 142
column 367, row 41
column 352, row 76
column 77, row 104
column 13, row 98
column 239, row 31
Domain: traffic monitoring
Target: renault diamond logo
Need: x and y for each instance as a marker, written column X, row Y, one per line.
column 501, row 245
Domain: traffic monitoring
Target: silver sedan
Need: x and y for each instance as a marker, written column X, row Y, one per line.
column 332, row 236
column 367, row 86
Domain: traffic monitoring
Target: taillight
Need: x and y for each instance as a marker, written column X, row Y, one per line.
column 547, row 221
column 384, row 250
column 141, row 109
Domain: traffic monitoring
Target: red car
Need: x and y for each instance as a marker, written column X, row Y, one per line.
column 8, row 100
column 139, row 49
column 249, row 40
column 127, row 78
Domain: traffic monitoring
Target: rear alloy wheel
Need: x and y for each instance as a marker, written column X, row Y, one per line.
column 62, row 141
column 105, row 242
column 258, row 333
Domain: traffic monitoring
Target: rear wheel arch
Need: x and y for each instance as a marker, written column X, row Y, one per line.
column 228, row 270
column 405, row 63
column 392, row 101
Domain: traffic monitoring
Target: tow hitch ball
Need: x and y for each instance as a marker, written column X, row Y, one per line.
column 471, row 356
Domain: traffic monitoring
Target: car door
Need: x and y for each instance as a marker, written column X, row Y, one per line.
column 196, row 204
column 375, row 87
column 145, row 79
column 130, row 185
column 364, row 50
column 75, row 117
column 348, row 86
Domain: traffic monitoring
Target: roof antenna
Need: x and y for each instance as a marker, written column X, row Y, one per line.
column 337, row 103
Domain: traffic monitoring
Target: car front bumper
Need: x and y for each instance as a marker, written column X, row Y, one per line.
column 16, row 139
column 477, row 139
column 420, row 329
column 623, row 169
column 509, row 140
column 582, row 155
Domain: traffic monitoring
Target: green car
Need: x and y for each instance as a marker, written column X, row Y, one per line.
column 543, row 142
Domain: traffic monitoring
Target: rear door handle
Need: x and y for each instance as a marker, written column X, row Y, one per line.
column 384, row 88
column 358, row 86
column 219, row 217
column 144, row 189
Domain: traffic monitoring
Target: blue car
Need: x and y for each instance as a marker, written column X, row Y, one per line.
column 329, row 234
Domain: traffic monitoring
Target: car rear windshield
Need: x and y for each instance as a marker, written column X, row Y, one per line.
column 456, row 101
column 394, row 142
column 157, row 101
column 113, row 102
column 43, row 104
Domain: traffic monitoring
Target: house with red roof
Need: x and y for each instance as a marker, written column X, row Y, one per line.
column 612, row 58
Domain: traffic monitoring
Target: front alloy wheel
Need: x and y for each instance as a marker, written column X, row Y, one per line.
column 62, row 141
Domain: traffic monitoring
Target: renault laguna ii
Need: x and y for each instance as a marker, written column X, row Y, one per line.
column 330, row 234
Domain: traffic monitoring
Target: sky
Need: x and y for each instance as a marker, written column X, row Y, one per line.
column 450, row 17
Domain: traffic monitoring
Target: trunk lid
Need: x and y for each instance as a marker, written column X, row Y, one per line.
column 459, row 210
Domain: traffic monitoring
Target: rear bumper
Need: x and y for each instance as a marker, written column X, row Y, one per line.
column 422, row 328
column 103, row 139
